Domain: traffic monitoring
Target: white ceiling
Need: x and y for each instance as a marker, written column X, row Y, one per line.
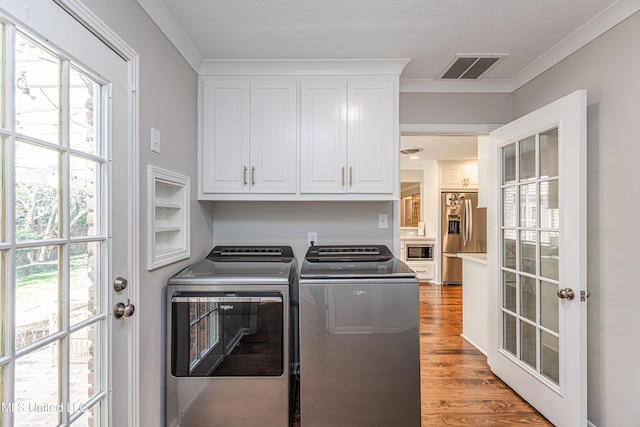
column 429, row 32
column 437, row 147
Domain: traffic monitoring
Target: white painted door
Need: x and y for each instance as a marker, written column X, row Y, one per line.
column 224, row 157
column 537, row 259
column 274, row 136
column 323, row 143
column 65, row 128
column 371, row 140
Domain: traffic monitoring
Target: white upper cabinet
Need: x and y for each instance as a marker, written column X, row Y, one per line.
column 347, row 141
column 274, row 137
column 249, row 136
column 459, row 175
column 224, row 148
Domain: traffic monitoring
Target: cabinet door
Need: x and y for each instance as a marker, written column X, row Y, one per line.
column 452, row 176
column 371, row 141
column 323, row 144
column 273, row 137
column 471, row 176
column 225, row 135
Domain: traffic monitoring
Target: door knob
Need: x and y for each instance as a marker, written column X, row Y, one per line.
column 120, row 309
column 566, row 293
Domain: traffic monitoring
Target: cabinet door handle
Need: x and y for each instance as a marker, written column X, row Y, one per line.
column 244, row 174
column 253, row 175
column 343, row 176
column 350, row 176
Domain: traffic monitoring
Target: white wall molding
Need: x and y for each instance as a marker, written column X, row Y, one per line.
column 453, row 128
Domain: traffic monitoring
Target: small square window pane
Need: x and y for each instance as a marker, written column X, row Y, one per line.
column 193, row 343
column 37, row 294
column 84, row 281
column 549, row 254
column 527, row 150
column 550, row 357
column 549, row 209
column 2, row 184
column 509, row 205
column 528, row 298
column 84, row 353
column 509, row 249
column 528, row 208
column 84, row 99
column 509, row 336
column 37, row 98
column 509, row 164
column 528, row 343
column 37, row 382
column 549, row 153
column 528, row 252
column 37, row 193
column 509, row 291
column 549, row 315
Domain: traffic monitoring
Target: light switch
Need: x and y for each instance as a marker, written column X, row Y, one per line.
column 383, row 221
column 155, row 140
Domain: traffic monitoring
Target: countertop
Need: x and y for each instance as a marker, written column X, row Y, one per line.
column 420, row 238
column 480, row 258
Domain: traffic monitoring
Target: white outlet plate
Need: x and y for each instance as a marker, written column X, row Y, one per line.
column 383, row 221
column 312, row 237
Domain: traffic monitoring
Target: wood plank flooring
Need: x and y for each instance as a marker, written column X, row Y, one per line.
column 457, row 387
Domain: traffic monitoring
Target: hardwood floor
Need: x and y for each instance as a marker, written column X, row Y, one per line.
column 458, row 389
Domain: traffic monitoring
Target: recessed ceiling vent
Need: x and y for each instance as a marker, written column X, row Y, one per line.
column 469, row 66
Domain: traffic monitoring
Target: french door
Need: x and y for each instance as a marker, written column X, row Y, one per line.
column 63, row 130
column 537, row 235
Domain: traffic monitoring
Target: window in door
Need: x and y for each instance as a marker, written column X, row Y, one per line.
column 529, row 262
column 53, row 237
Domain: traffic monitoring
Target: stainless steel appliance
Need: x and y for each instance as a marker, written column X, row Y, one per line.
column 232, row 338
column 359, row 339
column 464, row 229
column 419, row 252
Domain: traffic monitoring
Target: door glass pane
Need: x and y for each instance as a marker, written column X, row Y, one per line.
column 90, row 416
column 528, row 206
column 527, row 158
column 37, row 294
column 2, row 185
column 549, row 254
column 84, row 198
column 549, row 306
column 528, row 343
column 549, row 210
column 549, row 153
column 509, row 291
column 528, row 251
column 509, row 333
column 85, row 358
column 528, row 298
column 509, row 164
column 84, row 98
column 37, row 192
column 549, row 357
column 509, row 249
column 509, row 207
column 84, row 290
column 3, row 291
column 38, row 96
column 37, row 385
column 2, row 78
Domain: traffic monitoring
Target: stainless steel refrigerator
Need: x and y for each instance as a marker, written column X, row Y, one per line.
column 464, row 230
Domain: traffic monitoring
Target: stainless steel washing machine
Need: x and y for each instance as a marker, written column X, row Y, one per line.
column 232, row 338
column 359, row 339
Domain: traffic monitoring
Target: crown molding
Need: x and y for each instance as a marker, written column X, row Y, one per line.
column 302, row 67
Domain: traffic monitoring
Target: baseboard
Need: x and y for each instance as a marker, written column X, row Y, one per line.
column 590, row 424
column 473, row 344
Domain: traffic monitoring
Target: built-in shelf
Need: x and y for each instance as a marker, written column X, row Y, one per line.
column 168, row 217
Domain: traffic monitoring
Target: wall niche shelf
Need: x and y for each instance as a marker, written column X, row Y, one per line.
column 168, row 217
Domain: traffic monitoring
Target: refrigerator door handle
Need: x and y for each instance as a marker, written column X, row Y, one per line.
column 470, row 224
column 464, row 223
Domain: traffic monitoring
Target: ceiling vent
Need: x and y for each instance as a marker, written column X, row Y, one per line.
column 469, row 66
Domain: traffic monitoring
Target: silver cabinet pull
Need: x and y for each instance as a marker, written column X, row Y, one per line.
column 350, row 176
column 245, row 175
column 343, row 176
column 253, row 175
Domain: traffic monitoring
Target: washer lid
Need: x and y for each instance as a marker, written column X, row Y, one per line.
column 393, row 268
column 207, row 271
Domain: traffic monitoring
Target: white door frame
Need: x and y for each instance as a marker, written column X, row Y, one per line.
column 87, row 18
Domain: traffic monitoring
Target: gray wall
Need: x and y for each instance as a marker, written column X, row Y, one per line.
column 462, row 108
column 270, row 223
column 167, row 90
column 607, row 68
